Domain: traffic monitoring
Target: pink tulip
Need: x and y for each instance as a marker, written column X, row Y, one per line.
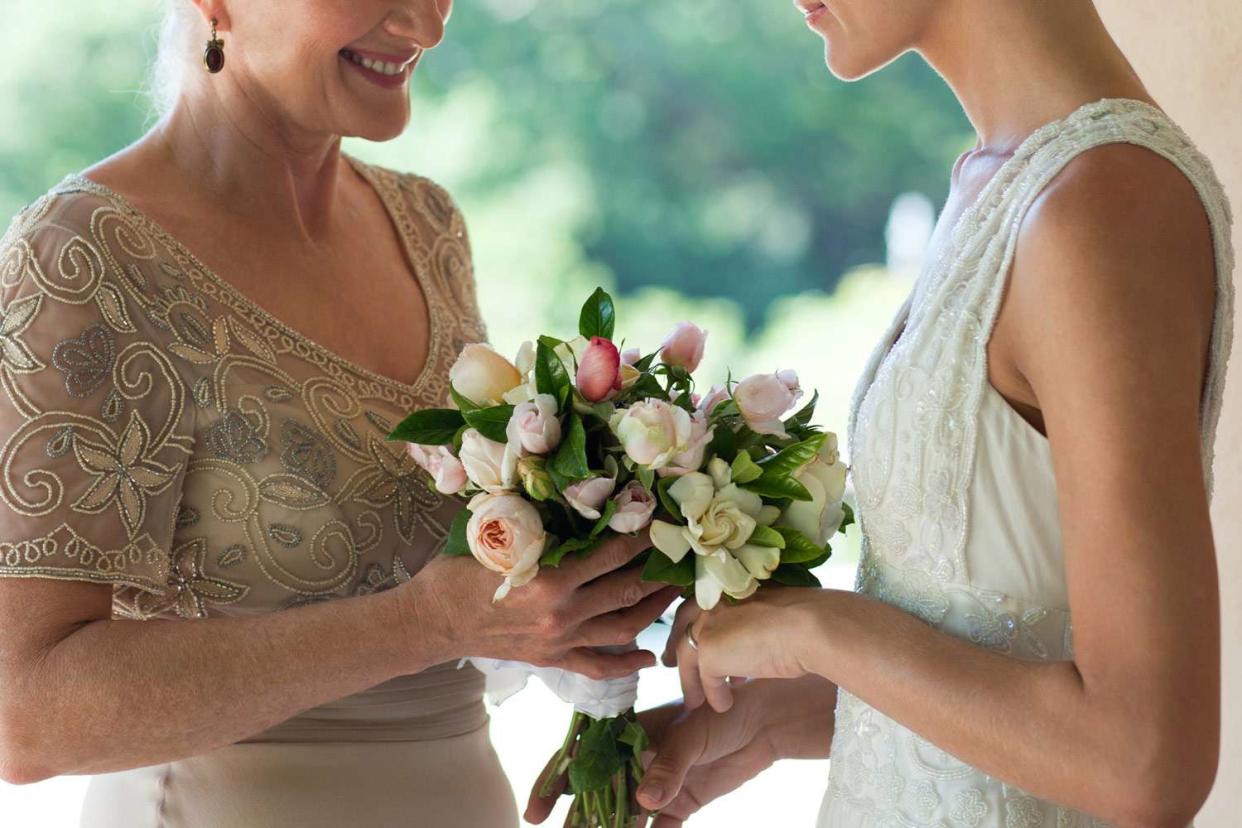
column 684, row 346
column 599, row 370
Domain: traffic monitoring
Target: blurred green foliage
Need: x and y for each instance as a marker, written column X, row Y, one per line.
column 644, row 144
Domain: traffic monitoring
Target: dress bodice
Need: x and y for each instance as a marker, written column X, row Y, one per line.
column 956, row 493
column 166, row 435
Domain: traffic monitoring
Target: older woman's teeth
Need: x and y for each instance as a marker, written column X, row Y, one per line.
column 379, row 66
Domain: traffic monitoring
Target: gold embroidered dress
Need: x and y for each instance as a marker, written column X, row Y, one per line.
column 165, row 435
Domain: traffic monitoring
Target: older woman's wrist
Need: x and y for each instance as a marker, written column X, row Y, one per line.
column 422, row 639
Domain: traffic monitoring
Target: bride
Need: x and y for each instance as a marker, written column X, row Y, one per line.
column 1031, row 443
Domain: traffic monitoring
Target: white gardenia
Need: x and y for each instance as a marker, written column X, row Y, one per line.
column 720, row 519
column 490, row 466
column 824, row 477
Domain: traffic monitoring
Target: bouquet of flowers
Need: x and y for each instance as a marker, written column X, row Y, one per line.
column 577, row 440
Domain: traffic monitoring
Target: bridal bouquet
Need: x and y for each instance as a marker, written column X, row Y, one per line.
column 577, row 440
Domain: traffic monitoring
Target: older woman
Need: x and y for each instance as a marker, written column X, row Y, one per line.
column 205, row 340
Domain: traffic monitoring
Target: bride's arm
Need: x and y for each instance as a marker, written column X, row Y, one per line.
column 1108, row 319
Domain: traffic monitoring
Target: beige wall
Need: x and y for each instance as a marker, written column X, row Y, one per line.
column 1190, row 55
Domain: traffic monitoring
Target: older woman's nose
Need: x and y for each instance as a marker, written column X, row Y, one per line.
column 421, row 21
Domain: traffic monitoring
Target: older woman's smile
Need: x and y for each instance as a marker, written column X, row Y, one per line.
column 387, row 70
column 812, row 10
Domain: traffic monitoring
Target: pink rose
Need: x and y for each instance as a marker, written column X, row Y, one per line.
column 588, row 496
column 439, row 462
column 715, row 397
column 691, row 459
column 635, row 506
column 534, row 426
column 684, row 346
column 506, row 535
column 763, row 399
column 631, row 356
column 599, row 370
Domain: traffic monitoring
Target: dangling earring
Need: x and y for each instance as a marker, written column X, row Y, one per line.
column 213, row 55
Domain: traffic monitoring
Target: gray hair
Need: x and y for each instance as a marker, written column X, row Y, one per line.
column 168, row 67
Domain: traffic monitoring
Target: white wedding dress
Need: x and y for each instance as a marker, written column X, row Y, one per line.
column 956, row 494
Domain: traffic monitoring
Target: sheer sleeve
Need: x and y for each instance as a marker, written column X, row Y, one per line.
column 95, row 429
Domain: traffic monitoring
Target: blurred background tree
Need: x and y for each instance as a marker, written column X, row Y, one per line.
column 696, row 159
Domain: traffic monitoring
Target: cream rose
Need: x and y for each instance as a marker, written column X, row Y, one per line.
column 824, row 477
column 483, row 376
column 490, row 465
column 763, row 399
column 635, row 506
column 506, row 535
column 445, row 469
column 691, row 458
column 652, row 432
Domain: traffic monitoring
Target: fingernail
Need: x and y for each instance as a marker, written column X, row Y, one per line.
column 652, row 792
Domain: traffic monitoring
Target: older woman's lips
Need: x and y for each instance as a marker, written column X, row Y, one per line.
column 388, row 71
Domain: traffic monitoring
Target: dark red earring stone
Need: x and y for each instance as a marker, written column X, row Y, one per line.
column 213, row 57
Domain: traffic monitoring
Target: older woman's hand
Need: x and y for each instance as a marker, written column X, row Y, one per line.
column 553, row 621
column 769, row 635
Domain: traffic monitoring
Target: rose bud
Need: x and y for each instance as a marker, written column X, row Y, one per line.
column 635, row 506
column 631, row 356
column 714, row 397
column 506, row 535
column 763, row 399
column 535, row 478
column 483, row 376
column 490, row 465
column 599, row 370
column 684, row 346
column 653, row 431
column 439, row 462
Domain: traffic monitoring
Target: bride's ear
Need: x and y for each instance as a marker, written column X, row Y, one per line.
column 214, row 10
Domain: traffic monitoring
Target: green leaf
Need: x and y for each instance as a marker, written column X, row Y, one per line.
column 778, row 486
column 661, row 569
column 724, row 441
column 767, row 536
column 795, row 575
column 666, row 499
column 598, row 758
column 550, row 374
column 570, row 460
column 464, row 404
column 798, row 547
column 645, row 476
column 635, row 737
column 429, row 427
column 822, row 559
column 791, row 458
column 598, row 317
column 744, row 469
column 802, row 419
column 455, row 545
column 610, row 509
column 554, row 555
column 644, row 364
column 491, row 422
column 848, row 520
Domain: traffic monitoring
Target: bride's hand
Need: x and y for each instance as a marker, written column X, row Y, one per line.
column 698, row 756
column 553, row 621
column 769, row 635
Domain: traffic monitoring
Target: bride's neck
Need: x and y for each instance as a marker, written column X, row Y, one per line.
column 1019, row 64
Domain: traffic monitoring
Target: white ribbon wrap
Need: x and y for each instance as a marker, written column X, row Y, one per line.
column 597, row 698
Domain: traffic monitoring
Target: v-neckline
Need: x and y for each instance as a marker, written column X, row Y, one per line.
column 396, row 214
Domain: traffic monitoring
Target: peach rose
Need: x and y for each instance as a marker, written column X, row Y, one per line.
column 506, row 535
